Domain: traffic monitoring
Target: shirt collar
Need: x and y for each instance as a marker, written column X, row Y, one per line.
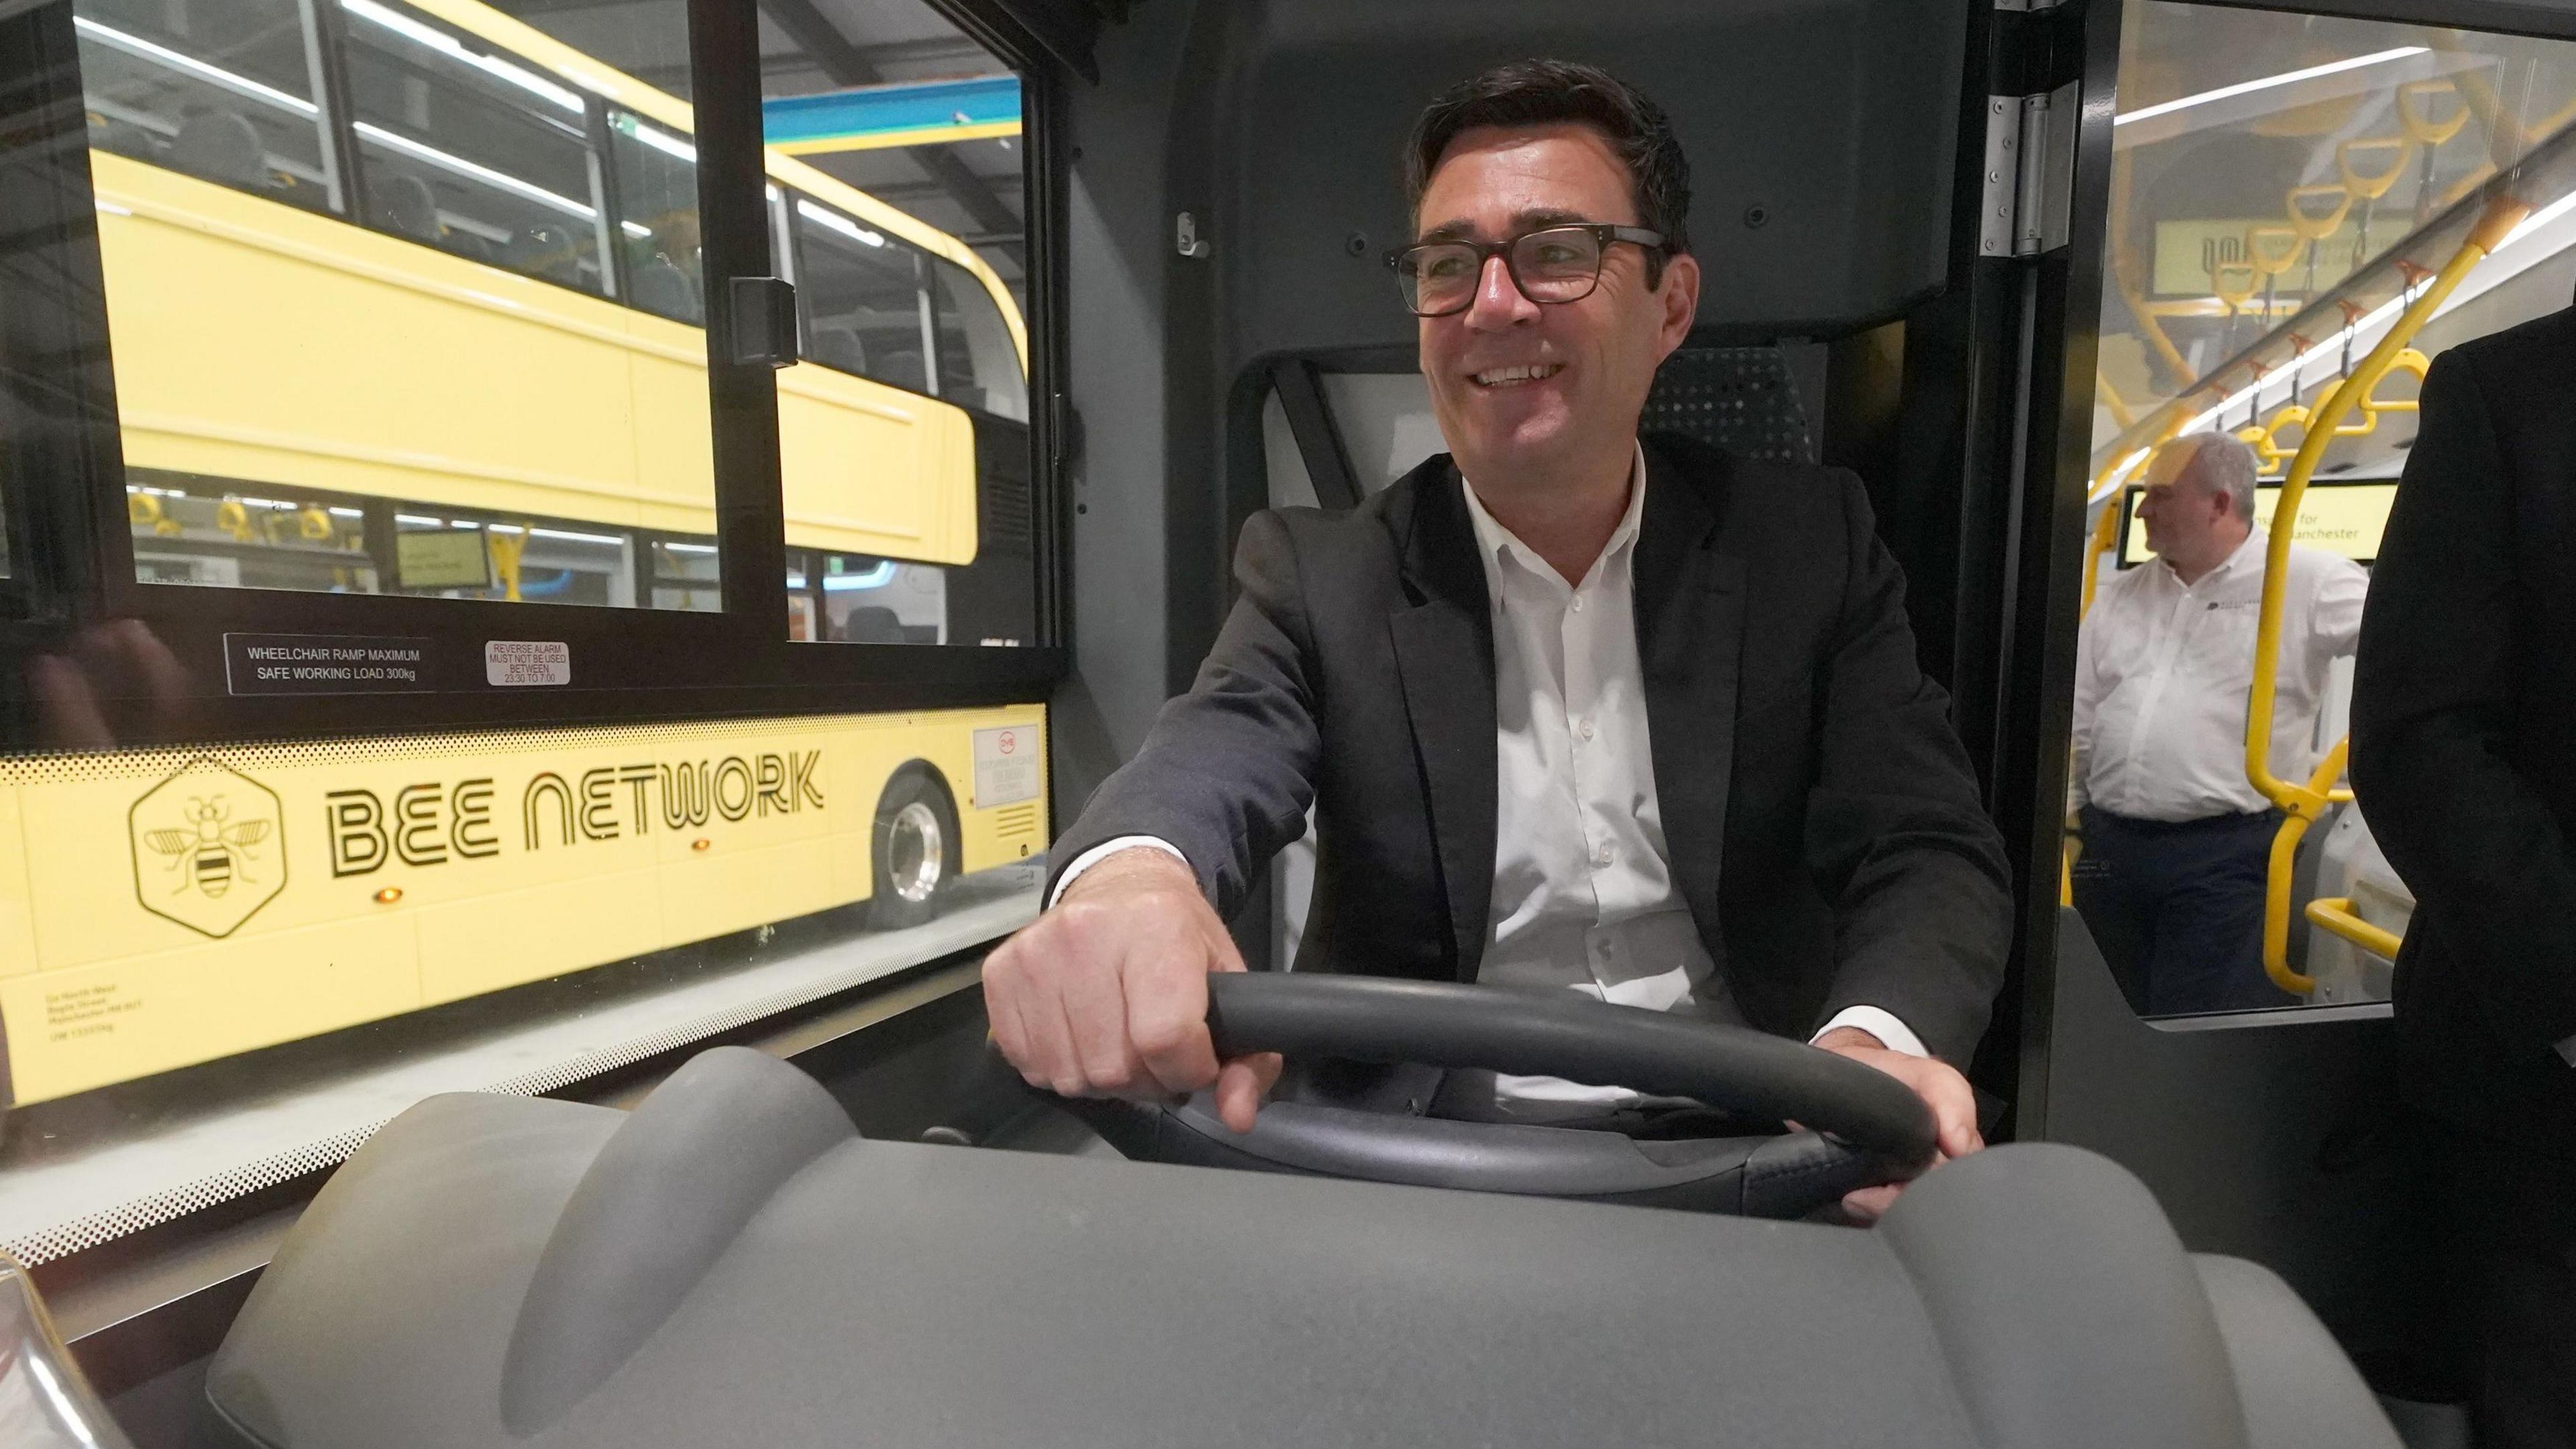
column 1496, row 542
column 2248, row 553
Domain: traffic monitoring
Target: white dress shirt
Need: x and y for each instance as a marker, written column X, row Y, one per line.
column 1583, row 895
column 2163, row 671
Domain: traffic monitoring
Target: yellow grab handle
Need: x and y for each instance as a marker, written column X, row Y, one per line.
column 314, row 525
column 2316, row 225
column 233, row 518
column 2335, row 914
column 2235, row 296
column 2423, row 128
column 2273, row 250
column 2406, row 360
column 142, row 510
column 2371, row 186
column 2269, row 448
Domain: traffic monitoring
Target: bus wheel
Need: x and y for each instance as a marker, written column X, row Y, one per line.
column 916, row 850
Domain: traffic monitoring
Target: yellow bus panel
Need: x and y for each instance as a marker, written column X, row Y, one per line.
column 256, row 341
column 165, row 907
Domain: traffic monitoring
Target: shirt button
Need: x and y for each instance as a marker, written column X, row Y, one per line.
column 1601, row 856
column 1584, row 729
column 1578, row 603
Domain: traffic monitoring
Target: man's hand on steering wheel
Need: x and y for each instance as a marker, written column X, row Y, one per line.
column 1953, row 1104
column 1105, row 995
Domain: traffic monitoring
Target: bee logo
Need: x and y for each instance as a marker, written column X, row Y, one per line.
column 206, row 859
column 208, row 848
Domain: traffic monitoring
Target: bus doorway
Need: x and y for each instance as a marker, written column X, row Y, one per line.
column 2298, row 213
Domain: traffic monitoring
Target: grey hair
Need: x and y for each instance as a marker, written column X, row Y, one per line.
column 2224, row 464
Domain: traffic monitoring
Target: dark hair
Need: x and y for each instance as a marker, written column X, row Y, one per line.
column 1541, row 92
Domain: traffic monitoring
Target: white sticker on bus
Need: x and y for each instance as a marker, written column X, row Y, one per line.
column 1006, row 765
column 522, row 661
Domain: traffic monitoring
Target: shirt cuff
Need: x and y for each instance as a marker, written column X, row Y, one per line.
column 1897, row 1036
column 2567, row 1051
column 1098, row 853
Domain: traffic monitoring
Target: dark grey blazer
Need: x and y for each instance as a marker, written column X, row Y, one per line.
column 2464, row 733
column 1824, row 827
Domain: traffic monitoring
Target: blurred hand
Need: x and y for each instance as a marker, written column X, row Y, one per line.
column 1106, row 994
column 1953, row 1104
column 114, row 674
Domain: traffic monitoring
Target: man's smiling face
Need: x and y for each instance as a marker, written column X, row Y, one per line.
column 1523, row 389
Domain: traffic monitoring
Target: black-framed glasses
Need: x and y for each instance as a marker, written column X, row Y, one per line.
column 1550, row 265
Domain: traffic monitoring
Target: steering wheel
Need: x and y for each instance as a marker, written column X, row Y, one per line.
column 1861, row 1127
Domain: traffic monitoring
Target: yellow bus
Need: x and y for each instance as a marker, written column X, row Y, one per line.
column 404, row 296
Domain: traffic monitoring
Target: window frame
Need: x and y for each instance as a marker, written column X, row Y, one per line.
column 595, row 158
column 628, row 663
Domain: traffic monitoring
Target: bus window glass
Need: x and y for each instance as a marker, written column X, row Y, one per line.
column 234, row 958
column 221, row 90
column 2283, row 188
column 864, row 305
column 979, row 364
column 449, row 389
column 657, row 217
column 904, row 439
column 473, row 150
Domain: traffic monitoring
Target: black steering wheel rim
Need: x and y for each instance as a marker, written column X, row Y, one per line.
column 1857, row 1127
column 1561, row 1034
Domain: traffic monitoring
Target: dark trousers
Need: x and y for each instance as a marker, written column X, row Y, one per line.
column 2508, row 1221
column 2177, row 908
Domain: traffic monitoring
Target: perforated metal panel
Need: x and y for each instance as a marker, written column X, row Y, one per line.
column 1742, row 399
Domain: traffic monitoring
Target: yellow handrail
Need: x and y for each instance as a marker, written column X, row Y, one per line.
column 2276, row 880
column 2335, row 914
column 2304, row 802
column 2097, row 544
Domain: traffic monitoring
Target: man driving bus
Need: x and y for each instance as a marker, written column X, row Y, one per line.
column 1575, row 708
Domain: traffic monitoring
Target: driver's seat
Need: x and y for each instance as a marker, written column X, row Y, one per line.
column 733, row 1264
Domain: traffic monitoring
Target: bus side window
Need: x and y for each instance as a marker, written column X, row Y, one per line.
column 465, row 148
column 978, row 365
column 655, row 173
column 219, row 89
column 865, row 309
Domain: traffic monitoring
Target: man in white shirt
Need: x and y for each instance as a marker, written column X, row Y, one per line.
column 2177, row 842
column 1575, row 709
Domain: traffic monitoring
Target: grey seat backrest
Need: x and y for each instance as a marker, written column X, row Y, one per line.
column 221, row 146
column 901, row 366
column 1742, row 399
column 729, row 1266
column 666, row 1196
column 406, row 206
column 838, row 345
column 872, row 624
column 662, row 287
column 543, row 250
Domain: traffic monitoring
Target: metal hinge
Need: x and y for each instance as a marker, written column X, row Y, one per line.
column 2028, row 195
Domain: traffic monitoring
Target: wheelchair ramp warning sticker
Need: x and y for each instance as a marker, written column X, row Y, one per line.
column 325, row 664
